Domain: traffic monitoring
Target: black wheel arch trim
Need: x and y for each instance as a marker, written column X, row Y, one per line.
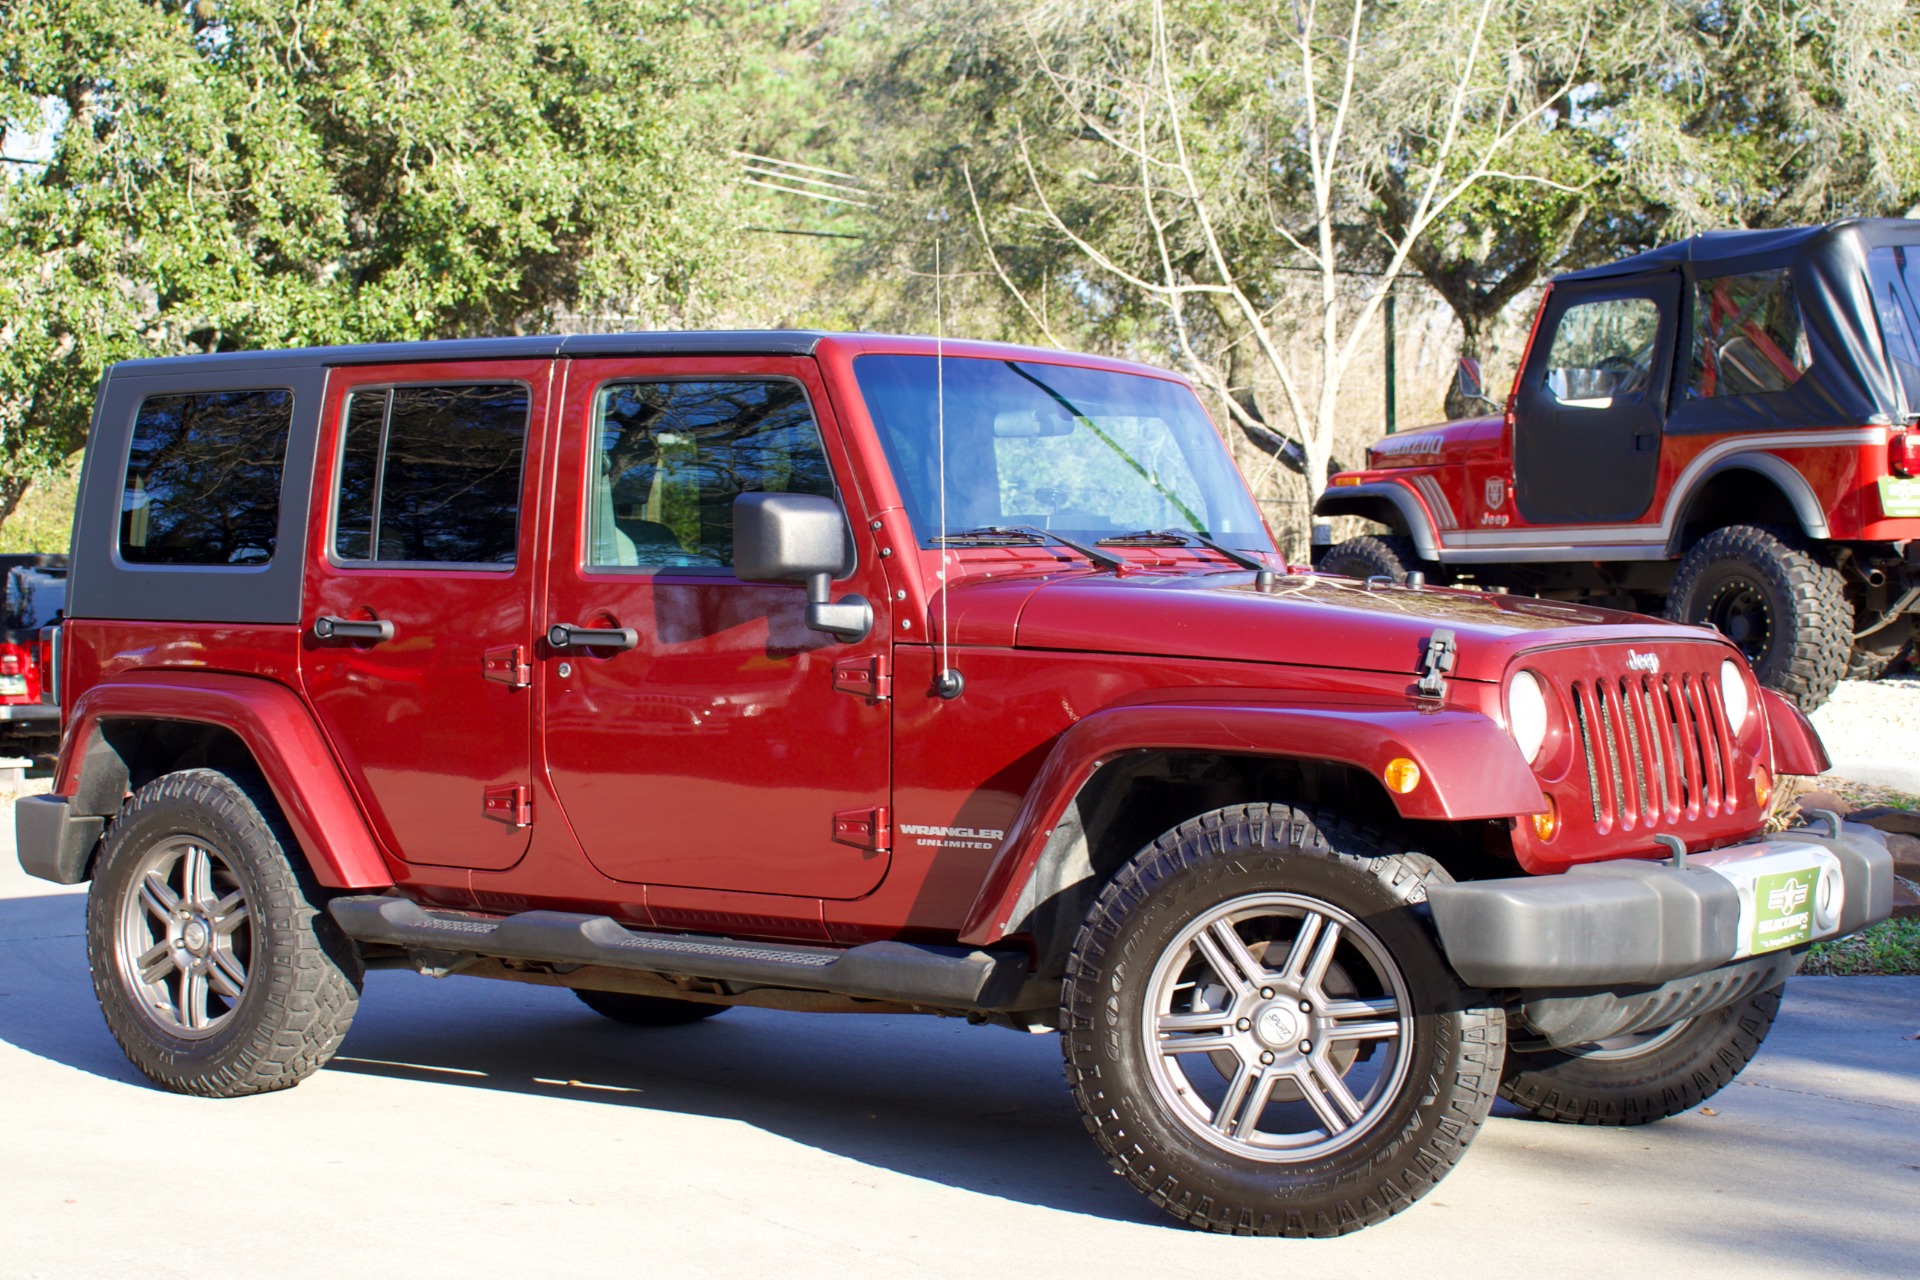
column 1358, row 499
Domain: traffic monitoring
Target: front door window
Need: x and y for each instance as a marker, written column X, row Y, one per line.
column 1602, row 352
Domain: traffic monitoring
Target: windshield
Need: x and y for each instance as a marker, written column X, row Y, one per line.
column 1079, row 452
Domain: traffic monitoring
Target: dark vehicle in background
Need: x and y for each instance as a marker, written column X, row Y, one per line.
column 36, row 598
column 1722, row 430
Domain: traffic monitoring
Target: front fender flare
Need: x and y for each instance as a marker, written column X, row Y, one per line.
column 1357, row 499
column 1469, row 769
column 274, row 725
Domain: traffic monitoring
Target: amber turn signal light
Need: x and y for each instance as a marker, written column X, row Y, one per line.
column 1547, row 825
column 1762, row 785
column 1402, row 775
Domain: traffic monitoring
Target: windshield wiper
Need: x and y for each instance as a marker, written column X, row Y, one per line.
column 1009, row 534
column 1184, row 538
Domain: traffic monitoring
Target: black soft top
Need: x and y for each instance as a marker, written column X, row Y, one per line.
column 1852, row 378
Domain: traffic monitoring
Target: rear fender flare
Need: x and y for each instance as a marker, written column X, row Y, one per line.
column 1784, row 476
column 1363, row 499
column 273, row 724
column 1469, row 769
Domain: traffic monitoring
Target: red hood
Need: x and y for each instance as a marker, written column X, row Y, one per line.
column 1304, row 619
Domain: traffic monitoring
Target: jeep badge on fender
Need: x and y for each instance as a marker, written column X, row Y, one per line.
column 845, row 672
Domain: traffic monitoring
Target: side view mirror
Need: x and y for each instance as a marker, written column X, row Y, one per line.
column 800, row 537
column 1467, row 381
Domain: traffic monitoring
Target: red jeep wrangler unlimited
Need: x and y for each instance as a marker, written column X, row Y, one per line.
column 827, row 672
column 1722, row 428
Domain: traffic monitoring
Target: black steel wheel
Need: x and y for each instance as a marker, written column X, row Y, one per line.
column 1775, row 596
column 1261, row 1032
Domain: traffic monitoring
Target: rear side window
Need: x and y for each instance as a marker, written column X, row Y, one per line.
column 1894, row 271
column 431, row 475
column 203, row 478
column 670, row 458
column 1747, row 336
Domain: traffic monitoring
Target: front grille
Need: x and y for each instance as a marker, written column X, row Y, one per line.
column 1657, row 749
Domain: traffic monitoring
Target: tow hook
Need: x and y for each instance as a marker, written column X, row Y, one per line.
column 1438, row 661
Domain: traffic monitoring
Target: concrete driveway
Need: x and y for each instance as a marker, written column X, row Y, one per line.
column 473, row 1129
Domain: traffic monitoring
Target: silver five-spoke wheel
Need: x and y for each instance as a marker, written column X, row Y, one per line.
column 1276, row 1025
column 185, row 942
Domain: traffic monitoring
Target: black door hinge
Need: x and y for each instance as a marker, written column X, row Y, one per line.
column 1436, row 663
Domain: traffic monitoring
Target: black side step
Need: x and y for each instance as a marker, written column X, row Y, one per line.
column 906, row 973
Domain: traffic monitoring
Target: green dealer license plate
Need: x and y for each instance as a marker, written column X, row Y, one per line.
column 1782, row 910
column 1900, row 495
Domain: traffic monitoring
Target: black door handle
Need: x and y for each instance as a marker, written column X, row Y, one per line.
column 374, row 629
column 564, row 635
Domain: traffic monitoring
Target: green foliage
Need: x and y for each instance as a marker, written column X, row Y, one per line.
column 234, row 174
column 1890, row 947
column 1686, row 116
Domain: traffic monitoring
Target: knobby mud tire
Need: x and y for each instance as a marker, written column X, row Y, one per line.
column 1805, row 595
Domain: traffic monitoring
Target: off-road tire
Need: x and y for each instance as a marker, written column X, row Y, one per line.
column 647, row 1011
column 1873, row 656
column 1671, row 1076
column 1371, row 557
column 302, row 975
column 1810, row 621
column 1425, row 1123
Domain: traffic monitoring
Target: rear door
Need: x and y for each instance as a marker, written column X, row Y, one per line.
column 702, row 736
column 1592, row 400
column 419, row 599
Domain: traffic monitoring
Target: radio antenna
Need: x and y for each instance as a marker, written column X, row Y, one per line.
column 949, row 683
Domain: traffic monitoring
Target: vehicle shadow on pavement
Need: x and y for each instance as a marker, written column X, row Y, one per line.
column 1818, row 1129
column 47, row 1007
column 976, row 1108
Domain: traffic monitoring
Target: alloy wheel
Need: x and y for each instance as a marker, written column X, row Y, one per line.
column 185, row 942
column 1277, row 1027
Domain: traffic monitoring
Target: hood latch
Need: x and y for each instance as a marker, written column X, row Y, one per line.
column 1437, row 662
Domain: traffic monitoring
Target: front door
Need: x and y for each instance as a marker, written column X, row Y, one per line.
column 419, row 600
column 1588, row 414
column 693, row 729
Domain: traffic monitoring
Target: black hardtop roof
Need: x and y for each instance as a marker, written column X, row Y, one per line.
column 745, row 342
column 1714, row 253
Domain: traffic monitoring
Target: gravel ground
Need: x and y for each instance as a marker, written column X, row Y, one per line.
column 1872, row 731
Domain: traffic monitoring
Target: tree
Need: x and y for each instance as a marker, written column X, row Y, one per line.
column 230, row 174
column 1688, row 116
column 1188, row 170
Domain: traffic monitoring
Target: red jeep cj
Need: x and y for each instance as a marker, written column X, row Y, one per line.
column 1722, row 428
column 845, row 673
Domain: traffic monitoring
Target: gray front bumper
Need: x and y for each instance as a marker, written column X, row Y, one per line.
column 1631, row 923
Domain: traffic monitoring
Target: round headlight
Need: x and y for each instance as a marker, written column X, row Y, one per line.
column 1733, row 692
column 1527, row 714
